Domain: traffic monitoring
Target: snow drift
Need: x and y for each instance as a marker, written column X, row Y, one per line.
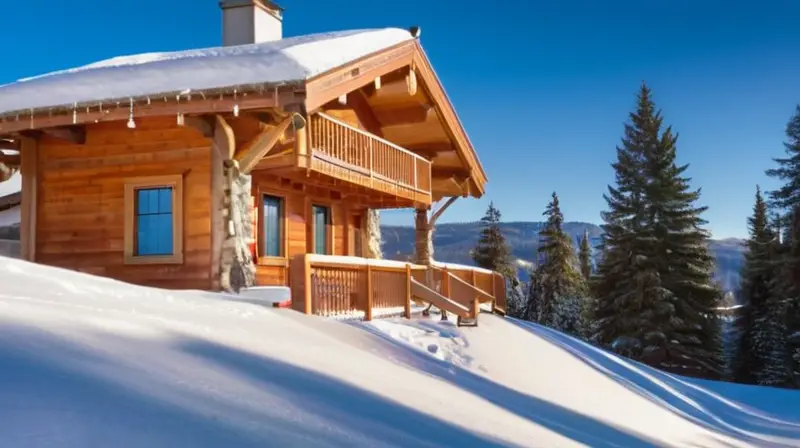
column 88, row 361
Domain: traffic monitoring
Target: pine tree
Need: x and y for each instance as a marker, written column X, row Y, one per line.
column 785, row 201
column 558, row 288
column 757, row 289
column 626, row 285
column 585, row 256
column 655, row 297
column 492, row 252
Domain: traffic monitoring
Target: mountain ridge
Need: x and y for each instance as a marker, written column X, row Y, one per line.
column 453, row 241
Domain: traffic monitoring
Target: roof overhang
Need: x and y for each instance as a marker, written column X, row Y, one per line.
column 307, row 96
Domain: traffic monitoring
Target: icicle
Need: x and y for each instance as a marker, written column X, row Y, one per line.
column 131, row 123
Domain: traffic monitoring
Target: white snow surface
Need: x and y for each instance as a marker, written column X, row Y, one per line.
column 12, row 185
column 87, row 361
column 153, row 74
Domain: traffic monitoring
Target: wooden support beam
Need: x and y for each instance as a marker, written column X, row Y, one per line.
column 358, row 101
column 249, row 156
column 404, row 87
column 441, row 210
column 202, row 123
column 224, row 139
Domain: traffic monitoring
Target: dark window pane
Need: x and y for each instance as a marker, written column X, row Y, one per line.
column 321, row 220
column 272, row 226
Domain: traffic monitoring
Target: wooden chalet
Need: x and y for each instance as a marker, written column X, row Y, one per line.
column 256, row 163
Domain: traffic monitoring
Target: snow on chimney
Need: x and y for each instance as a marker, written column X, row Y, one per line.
column 250, row 21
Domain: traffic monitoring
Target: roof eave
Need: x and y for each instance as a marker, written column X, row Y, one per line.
column 213, row 100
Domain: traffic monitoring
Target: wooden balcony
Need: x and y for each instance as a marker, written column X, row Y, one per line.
column 346, row 153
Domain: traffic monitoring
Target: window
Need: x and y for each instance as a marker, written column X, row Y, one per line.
column 154, row 220
column 321, row 219
column 154, row 223
column 272, row 227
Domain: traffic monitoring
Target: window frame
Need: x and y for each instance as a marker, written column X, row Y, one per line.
column 132, row 185
column 271, row 260
column 328, row 228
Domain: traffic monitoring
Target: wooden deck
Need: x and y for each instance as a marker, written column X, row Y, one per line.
column 354, row 287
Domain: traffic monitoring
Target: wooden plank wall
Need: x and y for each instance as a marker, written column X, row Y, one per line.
column 80, row 199
column 297, row 237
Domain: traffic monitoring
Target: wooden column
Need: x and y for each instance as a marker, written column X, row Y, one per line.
column 223, row 148
column 29, row 153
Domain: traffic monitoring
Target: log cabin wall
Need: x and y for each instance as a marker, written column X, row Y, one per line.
column 297, row 224
column 81, row 216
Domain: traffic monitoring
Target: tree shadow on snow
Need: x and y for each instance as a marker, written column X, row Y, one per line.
column 55, row 392
column 570, row 424
column 683, row 397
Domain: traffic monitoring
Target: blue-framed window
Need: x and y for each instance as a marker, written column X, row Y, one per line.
column 153, row 214
column 272, row 226
column 321, row 217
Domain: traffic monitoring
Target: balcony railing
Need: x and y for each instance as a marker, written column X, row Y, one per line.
column 352, row 287
column 348, row 153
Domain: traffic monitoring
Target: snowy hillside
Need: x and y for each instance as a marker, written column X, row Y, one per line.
column 87, row 361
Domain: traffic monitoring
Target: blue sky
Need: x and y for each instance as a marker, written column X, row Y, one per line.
column 543, row 87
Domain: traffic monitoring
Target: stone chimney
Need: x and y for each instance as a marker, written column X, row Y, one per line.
column 250, row 21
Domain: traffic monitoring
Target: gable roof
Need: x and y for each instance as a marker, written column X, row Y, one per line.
column 287, row 61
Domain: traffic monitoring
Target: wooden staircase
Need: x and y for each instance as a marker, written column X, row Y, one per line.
column 452, row 294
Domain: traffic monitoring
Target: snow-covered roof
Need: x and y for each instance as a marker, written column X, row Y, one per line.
column 285, row 61
column 11, row 186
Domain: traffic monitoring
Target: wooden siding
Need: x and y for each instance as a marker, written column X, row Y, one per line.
column 80, row 205
column 296, row 238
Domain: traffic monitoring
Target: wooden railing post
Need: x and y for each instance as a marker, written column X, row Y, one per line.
column 408, row 291
column 476, row 303
column 371, row 167
column 307, row 286
column 445, row 283
column 368, row 308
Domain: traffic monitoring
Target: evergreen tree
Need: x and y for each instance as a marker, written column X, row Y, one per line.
column 585, row 256
column 757, row 289
column 515, row 299
column 557, row 288
column 785, row 202
column 492, row 252
column 655, row 296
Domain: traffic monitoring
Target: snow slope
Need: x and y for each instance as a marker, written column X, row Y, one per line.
column 87, row 361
